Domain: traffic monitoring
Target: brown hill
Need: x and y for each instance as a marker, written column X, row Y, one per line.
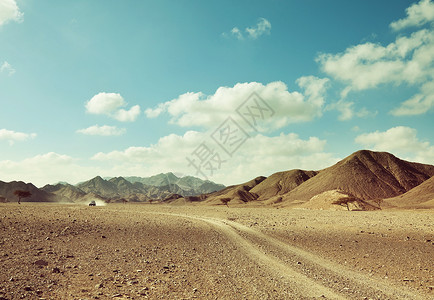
column 235, row 193
column 7, row 191
column 421, row 196
column 366, row 175
column 67, row 191
column 278, row 184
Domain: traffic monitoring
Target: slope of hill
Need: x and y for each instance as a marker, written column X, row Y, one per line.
column 7, row 190
column 421, row 196
column 67, row 191
column 366, row 175
column 235, row 193
column 281, row 183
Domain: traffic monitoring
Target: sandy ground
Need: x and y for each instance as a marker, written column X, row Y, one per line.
column 134, row 251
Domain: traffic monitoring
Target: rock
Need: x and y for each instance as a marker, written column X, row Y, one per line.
column 28, row 289
column 99, row 285
column 56, row 270
column 134, row 281
column 41, row 262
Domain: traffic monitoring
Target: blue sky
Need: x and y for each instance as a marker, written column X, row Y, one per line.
column 119, row 88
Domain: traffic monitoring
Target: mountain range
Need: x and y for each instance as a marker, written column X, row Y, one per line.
column 365, row 180
column 134, row 189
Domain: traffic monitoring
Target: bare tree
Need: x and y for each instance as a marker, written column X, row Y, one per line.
column 344, row 201
column 22, row 194
column 225, row 201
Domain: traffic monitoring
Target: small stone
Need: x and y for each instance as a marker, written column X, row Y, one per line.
column 41, row 262
column 99, row 285
column 103, row 236
column 194, row 290
column 56, row 270
column 134, row 281
column 116, row 295
column 27, row 288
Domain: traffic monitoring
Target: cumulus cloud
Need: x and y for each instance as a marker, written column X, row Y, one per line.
column 46, row 168
column 7, row 68
column 418, row 104
column 400, row 140
column 104, row 130
column 347, row 110
column 262, row 27
column 208, row 111
column 408, row 60
column 259, row 155
column 14, row 136
column 9, row 11
column 110, row 104
column 417, row 14
column 364, row 66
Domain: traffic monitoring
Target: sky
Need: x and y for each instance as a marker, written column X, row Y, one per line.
column 221, row 90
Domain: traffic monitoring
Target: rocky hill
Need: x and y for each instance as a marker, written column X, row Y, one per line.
column 364, row 176
column 7, row 190
column 421, row 196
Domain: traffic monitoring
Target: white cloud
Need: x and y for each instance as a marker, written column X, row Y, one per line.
column 128, row 115
column 417, row 14
column 6, row 67
column 419, row 103
column 9, row 11
column 408, row 60
column 260, row 155
column 104, row 130
column 14, row 136
column 347, row 111
column 111, row 104
column 237, row 33
column 198, row 109
column 262, row 27
column 401, row 141
column 46, row 168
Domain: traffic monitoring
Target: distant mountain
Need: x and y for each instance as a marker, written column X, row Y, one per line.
column 191, row 185
column 67, row 191
column 157, row 187
column 7, row 190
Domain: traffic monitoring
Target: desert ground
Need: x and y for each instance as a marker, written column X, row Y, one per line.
column 134, row 251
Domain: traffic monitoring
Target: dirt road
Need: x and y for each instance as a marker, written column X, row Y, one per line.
column 165, row 252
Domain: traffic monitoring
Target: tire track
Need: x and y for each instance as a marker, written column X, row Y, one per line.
column 331, row 280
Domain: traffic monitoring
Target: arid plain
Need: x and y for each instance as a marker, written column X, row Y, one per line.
column 159, row 251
